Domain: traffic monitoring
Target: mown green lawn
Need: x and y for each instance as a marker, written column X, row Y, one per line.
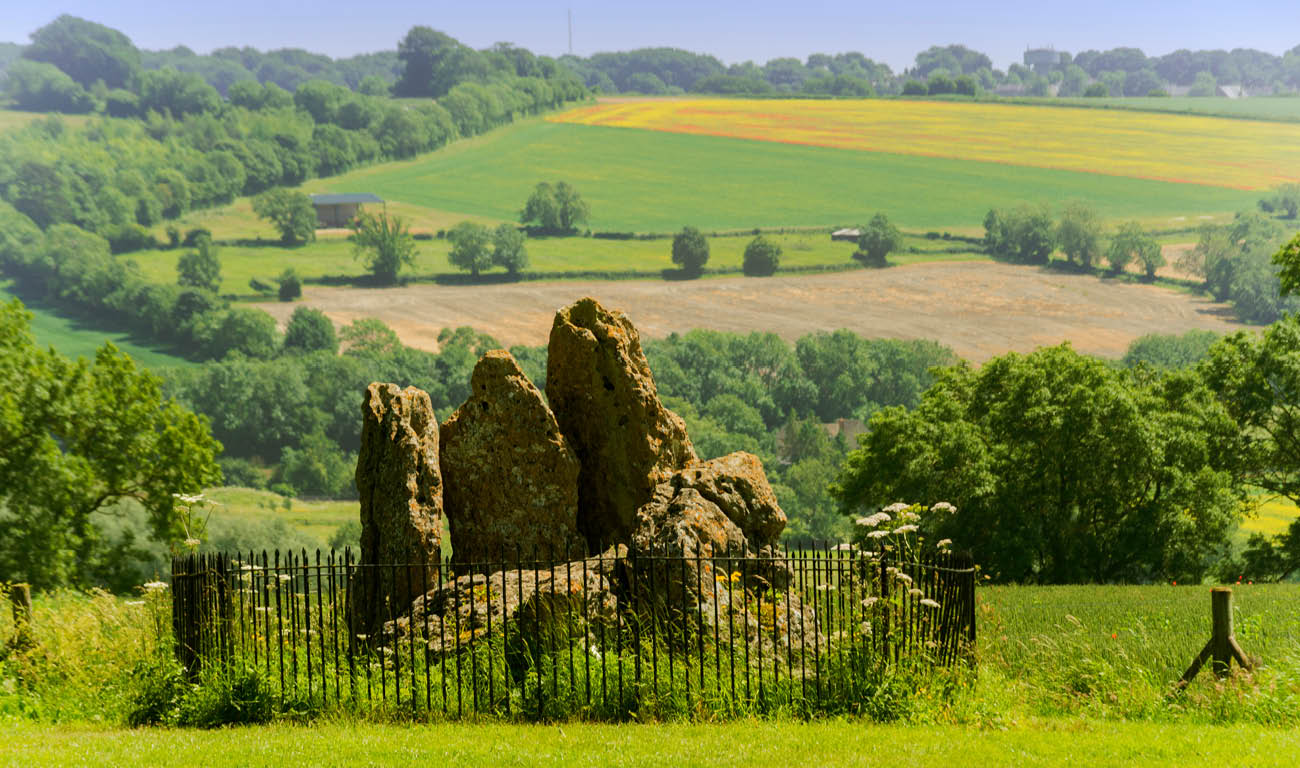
column 1036, row 742
column 649, row 181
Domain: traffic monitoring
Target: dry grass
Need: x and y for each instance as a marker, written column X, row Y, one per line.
column 981, row 309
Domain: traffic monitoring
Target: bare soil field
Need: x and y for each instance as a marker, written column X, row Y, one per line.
column 980, row 309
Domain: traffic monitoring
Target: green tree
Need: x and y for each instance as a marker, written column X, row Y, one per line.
column 75, row 438
column 1061, row 469
column 309, row 330
column 1133, row 243
column 86, row 51
column 290, row 285
column 1169, row 351
column 1257, row 379
column 508, row 249
column 1079, row 233
column 879, row 239
column 201, row 267
column 1286, row 199
column 690, row 250
column 290, row 211
column 433, row 63
column 250, row 332
column 762, row 257
column 1287, row 260
column 471, row 247
column 41, row 87
column 557, row 208
column 1024, row 234
column 385, row 243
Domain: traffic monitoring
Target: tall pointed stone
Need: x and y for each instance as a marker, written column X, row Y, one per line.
column 400, row 485
column 600, row 387
column 510, row 479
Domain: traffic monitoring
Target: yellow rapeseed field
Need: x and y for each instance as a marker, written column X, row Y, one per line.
column 1241, row 154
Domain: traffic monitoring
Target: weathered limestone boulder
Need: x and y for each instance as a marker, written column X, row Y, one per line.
column 547, row 606
column 510, row 479
column 737, row 484
column 604, row 398
column 401, row 502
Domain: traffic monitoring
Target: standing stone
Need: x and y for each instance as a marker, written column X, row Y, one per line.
column 737, row 484
column 401, row 503
column 600, row 387
column 510, row 479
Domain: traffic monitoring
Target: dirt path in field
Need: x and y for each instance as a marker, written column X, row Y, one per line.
column 980, row 309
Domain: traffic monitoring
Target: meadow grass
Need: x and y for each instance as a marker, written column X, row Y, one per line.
column 654, row 181
column 316, row 520
column 332, row 256
column 1243, row 154
column 1280, row 108
column 745, row 744
column 73, row 337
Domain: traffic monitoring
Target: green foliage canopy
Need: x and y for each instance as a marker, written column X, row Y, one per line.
column 386, row 244
column 290, row 211
column 1061, row 468
column 690, row 250
column 75, row 437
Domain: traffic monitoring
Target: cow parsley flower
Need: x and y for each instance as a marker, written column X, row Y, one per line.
column 897, row 507
column 905, row 528
column 928, row 603
column 943, row 507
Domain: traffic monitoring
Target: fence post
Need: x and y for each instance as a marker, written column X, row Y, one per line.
column 21, row 597
column 1222, row 647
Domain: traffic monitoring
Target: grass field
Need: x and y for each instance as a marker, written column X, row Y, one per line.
column 1173, row 148
column 742, row 745
column 654, row 181
column 1282, row 108
column 1274, row 516
column 315, row 520
column 332, row 256
column 77, row 338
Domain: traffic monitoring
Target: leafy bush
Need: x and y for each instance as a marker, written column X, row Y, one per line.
column 290, row 285
column 762, row 257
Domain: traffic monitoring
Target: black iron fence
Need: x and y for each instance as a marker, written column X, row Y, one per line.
column 813, row 629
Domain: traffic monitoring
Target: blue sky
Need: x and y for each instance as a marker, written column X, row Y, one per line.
column 891, row 31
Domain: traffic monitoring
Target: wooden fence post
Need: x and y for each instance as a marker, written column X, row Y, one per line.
column 20, row 595
column 1222, row 647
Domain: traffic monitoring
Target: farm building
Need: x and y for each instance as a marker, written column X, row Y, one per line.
column 339, row 210
column 848, row 235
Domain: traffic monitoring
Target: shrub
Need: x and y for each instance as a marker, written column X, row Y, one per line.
column 762, row 257
column 290, row 285
column 125, row 238
column 234, row 694
column 690, row 250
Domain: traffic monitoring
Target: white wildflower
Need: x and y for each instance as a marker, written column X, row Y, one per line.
column 908, row 515
column 878, row 534
column 903, row 577
column 914, row 592
column 944, row 543
column 595, row 652
column 943, row 507
column 188, row 498
column 870, row 601
column 192, row 543
column 928, row 603
column 905, row 529
column 843, row 547
column 866, row 628
column 897, row 507
column 284, row 577
column 135, row 602
column 154, row 586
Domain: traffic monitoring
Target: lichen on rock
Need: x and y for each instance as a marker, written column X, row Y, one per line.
column 510, row 478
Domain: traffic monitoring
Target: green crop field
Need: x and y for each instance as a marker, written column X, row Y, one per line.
column 637, row 180
column 77, row 338
column 315, row 520
column 1283, row 108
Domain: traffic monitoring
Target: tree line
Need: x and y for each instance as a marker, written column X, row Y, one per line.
column 950, row 69
column 1233, row 261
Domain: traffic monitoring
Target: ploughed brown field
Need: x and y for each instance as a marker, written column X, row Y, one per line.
column 980, row 309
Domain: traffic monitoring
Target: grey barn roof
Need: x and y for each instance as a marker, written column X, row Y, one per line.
column 364, row 197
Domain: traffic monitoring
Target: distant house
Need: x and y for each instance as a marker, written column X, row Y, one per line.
column 848, row 235
column 339, row 210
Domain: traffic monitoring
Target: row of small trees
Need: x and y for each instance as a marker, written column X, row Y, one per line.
column 1028, row 234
